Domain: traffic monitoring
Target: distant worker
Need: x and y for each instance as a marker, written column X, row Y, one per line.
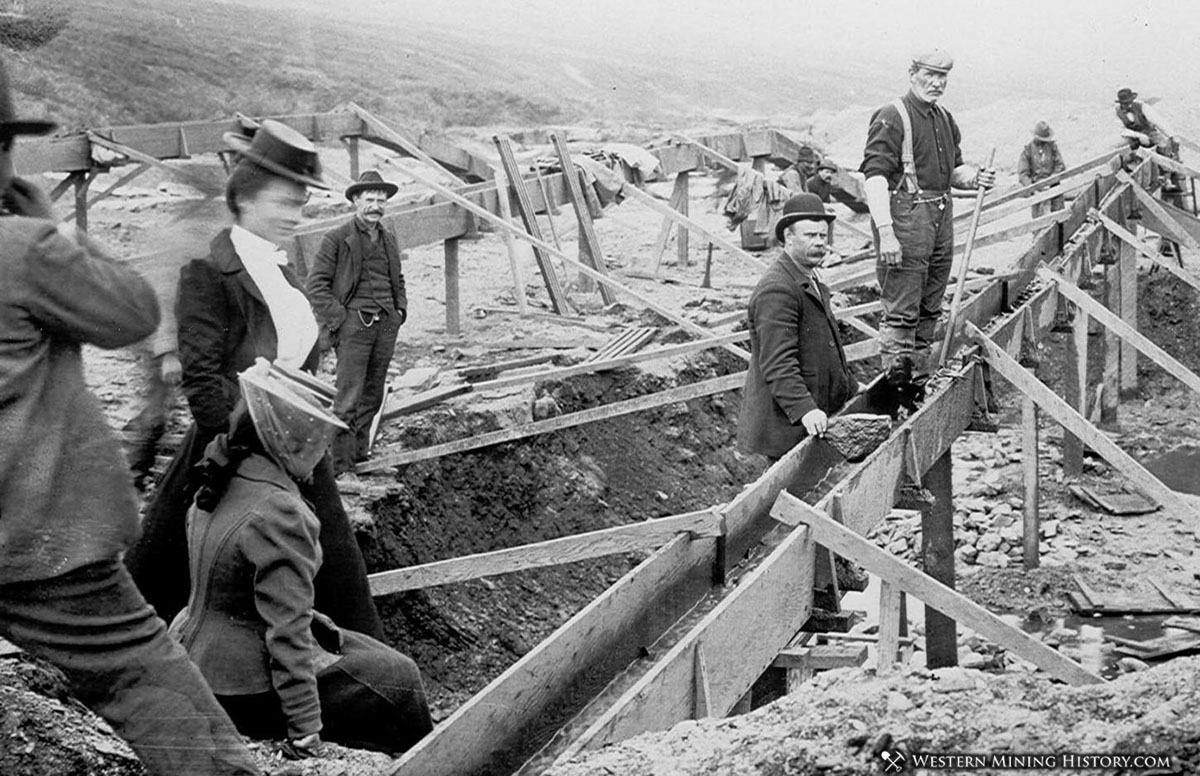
column 1146, row 127
column 796, row 177
column 911, row 160
column 357, row 289
column 821, row 184
column 1039, row 160
column 68, row 509
column 798, row 373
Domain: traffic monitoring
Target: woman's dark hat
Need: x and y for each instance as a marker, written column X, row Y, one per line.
column 281, row 150
column 10, row 125
column 802, row 207
column 371, row 181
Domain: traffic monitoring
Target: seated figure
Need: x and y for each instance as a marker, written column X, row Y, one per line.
column 281, row 669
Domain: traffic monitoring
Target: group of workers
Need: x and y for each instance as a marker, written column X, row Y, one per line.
column 912, row 160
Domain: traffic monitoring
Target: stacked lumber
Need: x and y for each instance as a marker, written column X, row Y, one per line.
column 628, row 341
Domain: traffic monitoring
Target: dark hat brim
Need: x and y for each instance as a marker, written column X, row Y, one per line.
column 27, row 127
column 240, row 144
column 354, row 189
column 791, row 218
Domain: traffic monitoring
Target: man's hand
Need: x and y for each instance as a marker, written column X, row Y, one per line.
column 985, row 178
column 301, row 748
column 815, row 422
column 27, row 199
column 889, row 246
column 170, row 369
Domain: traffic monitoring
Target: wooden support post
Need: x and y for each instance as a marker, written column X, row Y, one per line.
column 1110, row 385
column 664, row 232
column 1127, row 270
column 352, row 150
column 703, row 688
column 889, row 626
column 937, row 548
column 63, row 185
column 681, row 243
column 505, row 207
column 707, row 281
column 453, row 315
column 1075, row 390
column 589, row 244
column 1029, row 470
column 82, row 182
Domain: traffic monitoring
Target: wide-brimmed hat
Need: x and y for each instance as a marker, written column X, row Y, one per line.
column 827, row 164
column 371, row 181
column 1042, row 131
column 10, row 125
column 1126, row 95
column 291, row 424
column 802, row 207
column 933, row 59
column 281, row 150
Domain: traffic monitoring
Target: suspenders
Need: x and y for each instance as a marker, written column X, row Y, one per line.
column 909, row 178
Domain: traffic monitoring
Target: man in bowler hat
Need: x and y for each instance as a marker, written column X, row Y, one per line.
column 357, row 289
column 67, row 506
column 798, row 374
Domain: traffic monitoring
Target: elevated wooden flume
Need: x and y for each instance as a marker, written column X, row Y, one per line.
column 669, row 640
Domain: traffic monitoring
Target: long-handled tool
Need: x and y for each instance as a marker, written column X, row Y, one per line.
column 962, row 273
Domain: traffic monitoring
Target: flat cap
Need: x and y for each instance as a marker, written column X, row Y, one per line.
column 933, row 59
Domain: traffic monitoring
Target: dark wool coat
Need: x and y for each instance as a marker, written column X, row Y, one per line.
column 335, row 272
column 65, row 495
column 797, row 363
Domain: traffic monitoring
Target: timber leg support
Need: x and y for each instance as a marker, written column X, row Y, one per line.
column 453, row 301
column 937, row 548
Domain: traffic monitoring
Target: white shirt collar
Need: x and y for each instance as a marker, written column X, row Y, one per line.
column 250, row 246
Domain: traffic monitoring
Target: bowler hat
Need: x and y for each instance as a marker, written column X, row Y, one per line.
column 1042, row 131
column 371, row 181
column 1126, row 95
column 281, row 150
column 9, row 124
column 802, row 207
column 934, row 59
column 827, row 164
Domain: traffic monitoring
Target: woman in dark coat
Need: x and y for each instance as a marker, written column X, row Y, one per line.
column 281, row 669
column 239, row 303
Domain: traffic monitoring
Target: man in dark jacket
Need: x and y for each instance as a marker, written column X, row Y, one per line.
column 357, row 289
column 67, row 506
column 821, row 184
column 798, row 373
column 1039, row 160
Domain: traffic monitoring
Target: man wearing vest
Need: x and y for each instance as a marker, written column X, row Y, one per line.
column 1145, row 126
column 911, row 160
column 357, row 290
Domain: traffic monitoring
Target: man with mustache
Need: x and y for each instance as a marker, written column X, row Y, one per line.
column 357, row 290
column 911, row 161
column 798, row 373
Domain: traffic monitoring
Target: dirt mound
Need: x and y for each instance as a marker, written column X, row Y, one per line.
column 842, row 721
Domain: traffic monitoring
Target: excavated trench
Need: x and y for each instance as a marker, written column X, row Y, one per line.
column 649, row 464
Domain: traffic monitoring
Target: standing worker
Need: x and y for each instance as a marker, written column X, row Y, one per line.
column 798, row 374
column 357, row 289
column 1039, row 160
column 68, row 509
column 911, row 160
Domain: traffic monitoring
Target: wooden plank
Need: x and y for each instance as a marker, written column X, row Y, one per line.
column 485, row 371
column 703, row 687
column 937, row 552
column 1122, row 329
column 1075, row 390
column 597, row 642
column 126, row 178
column 453, row 298
column 849, row 544
column 587, row 230
column 771, row 602
column 1133, row 242
column 489, row 217
column 1128, row 293
column 405, row 405
column 889, row 626
column 1167, row 163
column 683, row 206
column 1070, row 420
column 634, row 537
column 992, row 214
column 1174, row 230
column 1018, row 193
column 393, row 456
column 633, row 192
column 504, row 204
column 1031, row 521
column 558, row 297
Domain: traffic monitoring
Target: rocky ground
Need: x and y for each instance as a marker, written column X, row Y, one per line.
column 666, row 462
